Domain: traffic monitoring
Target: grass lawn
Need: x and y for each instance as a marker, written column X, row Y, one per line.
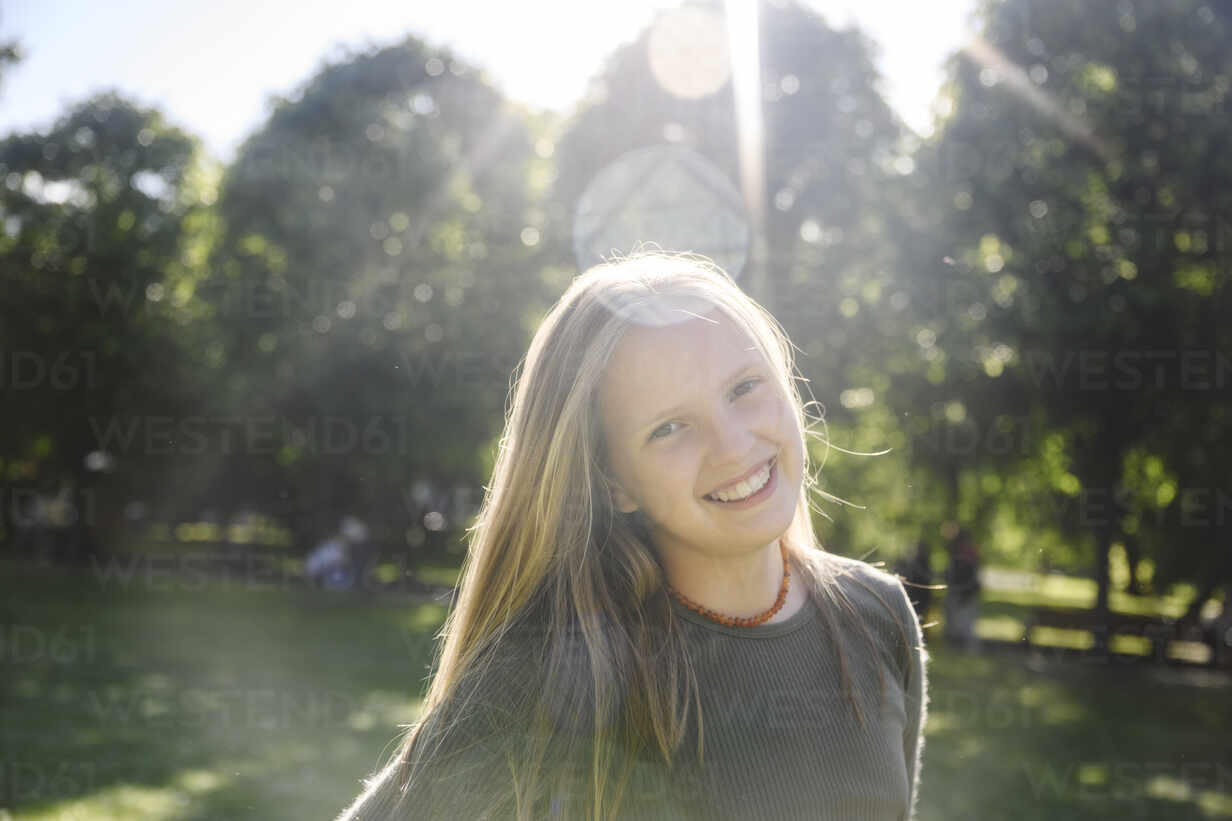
column 161, row 699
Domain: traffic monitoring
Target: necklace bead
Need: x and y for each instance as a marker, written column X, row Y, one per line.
column 742, row 621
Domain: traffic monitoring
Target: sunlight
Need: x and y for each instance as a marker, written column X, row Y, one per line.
column 1021, row 85
column 743, row 37
column 126, row 801
column 915, row 40
column 687, row 52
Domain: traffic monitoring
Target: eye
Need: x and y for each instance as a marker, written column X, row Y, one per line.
column 666, row 428
column 751, row 382
column 663, row 427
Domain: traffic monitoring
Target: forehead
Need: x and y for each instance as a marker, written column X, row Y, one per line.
column 657, row 367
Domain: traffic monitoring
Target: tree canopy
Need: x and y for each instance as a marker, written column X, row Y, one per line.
column 1023, row 306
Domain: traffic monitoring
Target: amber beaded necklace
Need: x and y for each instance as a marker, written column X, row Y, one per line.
column 742, row 621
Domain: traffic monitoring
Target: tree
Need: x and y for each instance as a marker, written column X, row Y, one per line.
column 1070, row 187
column 833, row 154
column 375, row 280
column 100, row 215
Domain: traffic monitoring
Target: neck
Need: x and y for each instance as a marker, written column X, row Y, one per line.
column 742, row 585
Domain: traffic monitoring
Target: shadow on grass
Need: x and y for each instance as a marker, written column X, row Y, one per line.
column 172, row 702
column 162, row 701
column 1036, row 735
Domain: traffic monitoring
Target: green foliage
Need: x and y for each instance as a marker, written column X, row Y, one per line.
column 103, row 219
column 1075, row 162
column 378, row 215
column 1025, row 306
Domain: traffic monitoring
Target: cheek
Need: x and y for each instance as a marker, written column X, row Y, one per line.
column 673, row 470
column 790, row 436
column 778, row 413
column 666, row 482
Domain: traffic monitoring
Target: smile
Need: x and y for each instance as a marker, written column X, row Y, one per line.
column 751, row 489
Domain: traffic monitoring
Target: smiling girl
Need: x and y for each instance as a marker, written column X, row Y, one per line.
column 646, row 626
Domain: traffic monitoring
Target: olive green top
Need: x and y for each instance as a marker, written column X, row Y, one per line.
column 780, row 739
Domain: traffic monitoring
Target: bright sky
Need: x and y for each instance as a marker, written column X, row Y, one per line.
column 211, row 66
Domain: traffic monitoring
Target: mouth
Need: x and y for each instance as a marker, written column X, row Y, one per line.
column 750, row 490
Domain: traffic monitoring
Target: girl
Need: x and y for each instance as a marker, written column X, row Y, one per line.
column 645, row 626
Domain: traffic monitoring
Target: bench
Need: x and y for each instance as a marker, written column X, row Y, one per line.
column 1158, row 631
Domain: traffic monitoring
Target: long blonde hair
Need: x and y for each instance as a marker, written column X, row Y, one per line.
column 549, row 552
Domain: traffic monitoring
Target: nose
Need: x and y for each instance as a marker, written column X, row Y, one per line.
column 731, row 440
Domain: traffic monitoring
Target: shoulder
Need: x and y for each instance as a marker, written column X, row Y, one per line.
column 878, row 598
column 868, row 583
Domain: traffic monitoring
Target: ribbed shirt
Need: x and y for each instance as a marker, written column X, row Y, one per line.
column 780, row 739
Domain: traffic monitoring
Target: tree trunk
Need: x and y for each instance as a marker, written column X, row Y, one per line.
column 1133, row 556
column 951, row 476
column 7, row 517
column 1103, row 545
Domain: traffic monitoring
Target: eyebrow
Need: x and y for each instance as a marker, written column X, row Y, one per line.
column 748, row 365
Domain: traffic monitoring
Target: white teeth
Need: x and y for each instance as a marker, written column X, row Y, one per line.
column 746, row 488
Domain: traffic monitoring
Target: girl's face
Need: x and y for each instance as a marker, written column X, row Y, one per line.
column 690, row 409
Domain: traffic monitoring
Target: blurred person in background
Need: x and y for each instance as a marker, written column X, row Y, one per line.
column 963, row 587
column 336, row 563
